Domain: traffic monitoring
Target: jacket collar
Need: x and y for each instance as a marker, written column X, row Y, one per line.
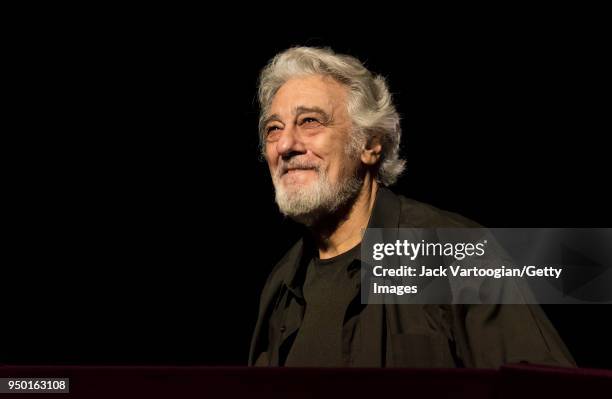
column 385, row 214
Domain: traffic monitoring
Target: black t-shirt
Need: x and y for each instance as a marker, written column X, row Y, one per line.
column 327, row 292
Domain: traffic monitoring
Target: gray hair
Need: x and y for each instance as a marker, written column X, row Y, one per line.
column 370, row 104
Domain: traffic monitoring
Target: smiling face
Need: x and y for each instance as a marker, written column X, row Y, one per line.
column 307, row 140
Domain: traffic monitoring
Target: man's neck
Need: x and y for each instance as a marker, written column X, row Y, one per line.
column 348, row 231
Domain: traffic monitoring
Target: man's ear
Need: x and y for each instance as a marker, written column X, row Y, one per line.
column 371, row 154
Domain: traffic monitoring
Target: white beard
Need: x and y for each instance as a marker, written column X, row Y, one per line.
column 309, row 203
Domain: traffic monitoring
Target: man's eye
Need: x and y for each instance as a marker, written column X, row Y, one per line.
column 309, row 121
column 272, row 128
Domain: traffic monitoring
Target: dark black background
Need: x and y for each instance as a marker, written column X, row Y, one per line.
column 145, row 222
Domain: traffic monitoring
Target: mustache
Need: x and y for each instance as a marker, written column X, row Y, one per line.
column 284, row 167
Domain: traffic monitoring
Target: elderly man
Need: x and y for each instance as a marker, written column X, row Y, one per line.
column 330, row 134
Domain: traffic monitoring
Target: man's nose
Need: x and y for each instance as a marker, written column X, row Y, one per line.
column 290, row 143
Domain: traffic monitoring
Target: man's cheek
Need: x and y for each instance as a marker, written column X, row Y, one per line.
column 272, row 166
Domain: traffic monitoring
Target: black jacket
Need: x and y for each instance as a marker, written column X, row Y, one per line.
column 395, row 335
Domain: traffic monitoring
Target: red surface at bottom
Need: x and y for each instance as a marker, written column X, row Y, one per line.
column 512, row 381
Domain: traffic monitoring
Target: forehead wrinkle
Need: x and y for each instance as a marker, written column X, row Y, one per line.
column 329, row 99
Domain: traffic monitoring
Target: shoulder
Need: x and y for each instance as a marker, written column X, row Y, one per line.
column 283, row 269
column 418, row 214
